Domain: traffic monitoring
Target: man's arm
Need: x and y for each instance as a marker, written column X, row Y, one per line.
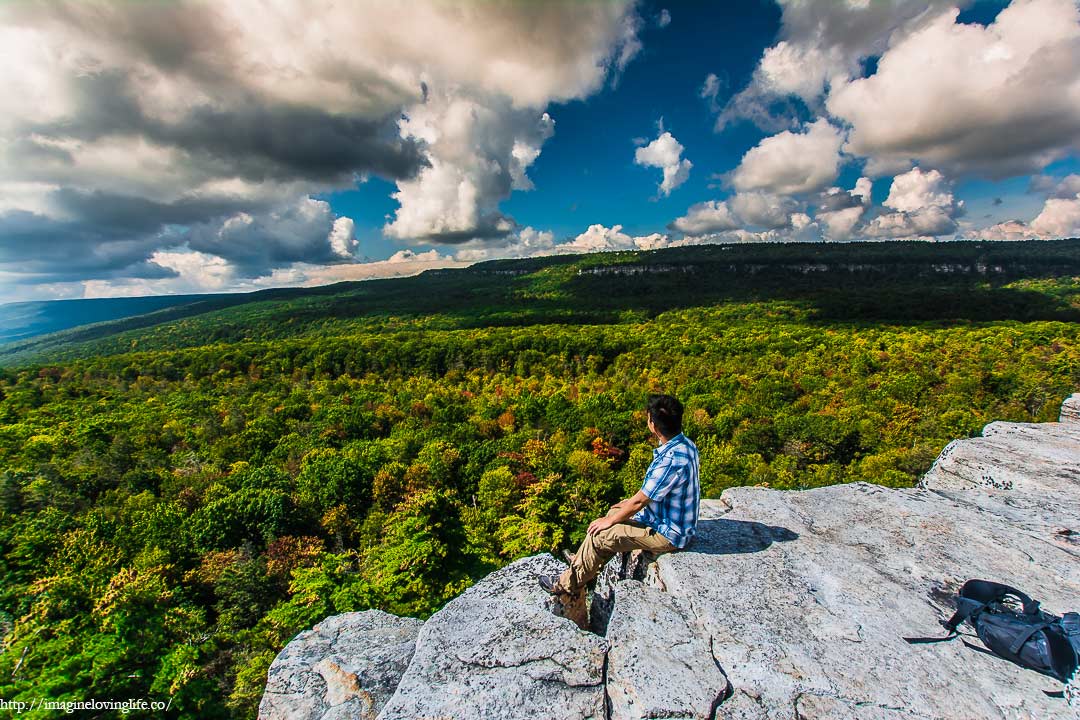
column 619, row 512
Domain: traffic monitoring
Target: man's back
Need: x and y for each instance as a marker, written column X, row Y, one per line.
column 674, row 489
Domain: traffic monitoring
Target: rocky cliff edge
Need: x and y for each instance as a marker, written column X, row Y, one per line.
column 790, row 605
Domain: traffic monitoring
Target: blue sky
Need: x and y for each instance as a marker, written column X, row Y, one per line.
column 276, row 142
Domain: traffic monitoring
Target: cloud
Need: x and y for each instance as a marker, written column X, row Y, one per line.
column 524, row 242
column 710, row 90
column 839, row 212
column 664, row 18
column 763, row 209
column 790, row 163
column 742, row 235
column 42, row 249
column 998, row 100
column 929, row 222
column 302, row 231
column 196, row 272
column 665, row 152
column 995, row 100
column 837, row 199
column 822, row 42
column 742, row 210
column 598, row 238
column 342, row 239
column 1066, row 187
column 201, row 113
column 1060, row 217
column 411, row 256
column 530, row 242
column 862, row 190
column 924, row 206
column 192, row 272
column 916, row 190
column 1008, row 230
column 794, row 69
column 705, row 218
column 477, row 153
column 841, row 224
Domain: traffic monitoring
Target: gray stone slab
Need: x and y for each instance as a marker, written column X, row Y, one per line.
column 660, row 664
column 814, row 603
column 347, row 666
column 496, row 652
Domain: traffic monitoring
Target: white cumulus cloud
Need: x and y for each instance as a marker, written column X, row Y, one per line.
column 1060, row 217
column 598, row 238
column 916, row 190
column 477, row 153
column 763, row 209
column 707, row 217
column 523, row 242
column 665, row 152
column 998, row 100
column 1008, row 230
column 924, row 206
column 822, row 43
column 841, row 224
column 788, row 163
column 342, row 238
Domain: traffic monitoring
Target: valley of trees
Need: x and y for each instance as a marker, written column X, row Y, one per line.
column 178, row 500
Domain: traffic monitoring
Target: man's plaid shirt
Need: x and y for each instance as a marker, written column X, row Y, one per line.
column 671, row 482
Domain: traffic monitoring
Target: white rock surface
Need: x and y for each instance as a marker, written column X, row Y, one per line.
column 1070, row 409
column 1024, row 473
column 496, row 652
column 1028, row 458
column 660, row 664
column 347, row 666
column 809, row 613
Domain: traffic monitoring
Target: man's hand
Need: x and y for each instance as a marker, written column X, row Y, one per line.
column 619, row 512
column 599, row 524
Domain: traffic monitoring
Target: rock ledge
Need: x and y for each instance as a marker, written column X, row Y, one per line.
column 790, row 606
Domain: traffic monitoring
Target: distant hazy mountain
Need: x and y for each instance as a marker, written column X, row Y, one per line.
column 19, row 321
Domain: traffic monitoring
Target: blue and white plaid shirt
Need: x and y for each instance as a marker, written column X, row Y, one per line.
column 672, row 484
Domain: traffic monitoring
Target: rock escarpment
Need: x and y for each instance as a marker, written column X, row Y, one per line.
column 790, row 605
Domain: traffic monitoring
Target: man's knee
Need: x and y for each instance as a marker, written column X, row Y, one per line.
column 606, row 538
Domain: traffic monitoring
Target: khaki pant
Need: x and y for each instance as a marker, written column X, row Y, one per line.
column 597, row 549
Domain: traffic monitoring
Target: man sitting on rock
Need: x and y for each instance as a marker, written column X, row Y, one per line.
column 661, row 517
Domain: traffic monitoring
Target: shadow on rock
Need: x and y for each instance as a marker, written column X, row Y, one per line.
column 728, row 537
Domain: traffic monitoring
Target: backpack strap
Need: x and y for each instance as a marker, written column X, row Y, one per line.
column 985, row 591
column 1023, row 637
column 1060, row 652
column 1070, row 622
column 965, row 608
column 1064, row 657
column 974, row 596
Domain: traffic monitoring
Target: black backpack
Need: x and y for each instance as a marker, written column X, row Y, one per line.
column 1031, row 638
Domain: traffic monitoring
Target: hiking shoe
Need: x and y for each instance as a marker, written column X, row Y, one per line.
column 550, row 583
